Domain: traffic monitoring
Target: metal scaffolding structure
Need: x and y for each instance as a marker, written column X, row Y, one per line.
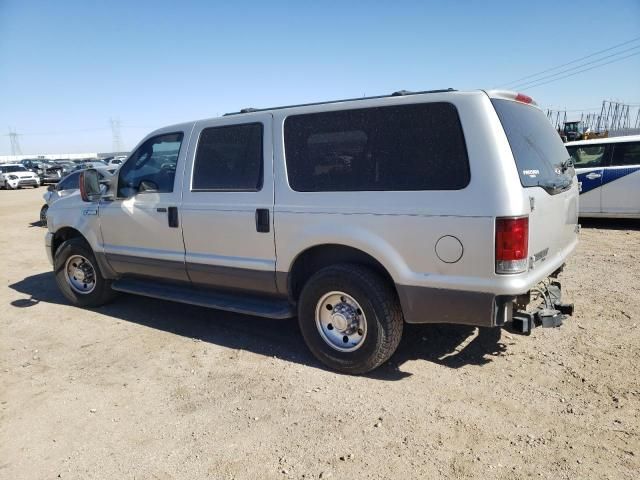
column 613, row 116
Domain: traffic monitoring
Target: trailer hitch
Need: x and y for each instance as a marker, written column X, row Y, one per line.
column 550, row 314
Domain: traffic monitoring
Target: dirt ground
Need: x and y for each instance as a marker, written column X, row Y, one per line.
column 147, row 389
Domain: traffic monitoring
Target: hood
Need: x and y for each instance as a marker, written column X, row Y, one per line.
column 21, row 174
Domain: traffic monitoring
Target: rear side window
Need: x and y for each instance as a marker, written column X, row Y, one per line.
column 229, row 159
column 408, row 147
column 585, row 156
column 537, row 148
column 626, row 154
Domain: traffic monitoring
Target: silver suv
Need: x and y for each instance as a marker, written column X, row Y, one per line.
column 355, row 215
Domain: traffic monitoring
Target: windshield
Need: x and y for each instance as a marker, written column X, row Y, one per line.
column 12, row 168
column 541, row 158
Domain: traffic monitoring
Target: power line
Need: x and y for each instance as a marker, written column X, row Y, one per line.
column 525, row 84
column 571, row 62
column 581, row 71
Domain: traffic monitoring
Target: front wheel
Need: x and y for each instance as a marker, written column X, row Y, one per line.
column 78, row 276
column 43, row 215
column 350, row 318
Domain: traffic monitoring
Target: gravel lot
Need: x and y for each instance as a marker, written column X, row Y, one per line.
column 148, row 389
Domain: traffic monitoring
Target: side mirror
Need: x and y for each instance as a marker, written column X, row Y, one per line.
column 90, row 190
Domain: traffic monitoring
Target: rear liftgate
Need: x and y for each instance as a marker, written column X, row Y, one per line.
column 541, row 307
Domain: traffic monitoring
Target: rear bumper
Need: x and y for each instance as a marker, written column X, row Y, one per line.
column 436, row 305
column 479, row 309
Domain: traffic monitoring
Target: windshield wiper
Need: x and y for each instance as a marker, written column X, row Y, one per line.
column 567, row 164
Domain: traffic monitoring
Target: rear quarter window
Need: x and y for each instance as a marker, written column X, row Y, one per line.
column 537, row 148
column 399, row 148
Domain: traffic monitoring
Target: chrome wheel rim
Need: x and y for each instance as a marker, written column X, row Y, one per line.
column 341, row 321
column 80, row 274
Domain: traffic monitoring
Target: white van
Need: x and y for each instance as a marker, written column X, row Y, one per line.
column 356, row 216
column 609, row 176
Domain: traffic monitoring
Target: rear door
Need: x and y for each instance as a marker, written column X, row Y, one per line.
column 589, row 161
column 542, row 161
column 227, row 206
column 621, row 180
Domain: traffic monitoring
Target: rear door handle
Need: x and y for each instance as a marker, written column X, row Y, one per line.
column 593, row 175
column 173, row 217
column 262, row 220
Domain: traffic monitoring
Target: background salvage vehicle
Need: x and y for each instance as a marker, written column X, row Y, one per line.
column 608, row 175
column 47, row 172
column 14, row 176
column 428, row 207
column 67, row 186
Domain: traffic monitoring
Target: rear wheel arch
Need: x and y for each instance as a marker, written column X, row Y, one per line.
column 315, row 258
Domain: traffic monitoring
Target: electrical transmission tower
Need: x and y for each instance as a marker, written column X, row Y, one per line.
column 116, row 137
column 15, row 142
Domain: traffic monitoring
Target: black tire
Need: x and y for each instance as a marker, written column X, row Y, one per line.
column 101, row 293
column 43, row 215
column 381, row 308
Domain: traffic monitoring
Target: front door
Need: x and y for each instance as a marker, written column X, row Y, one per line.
column 589, row 162
column 141, row 229
column 227, row 208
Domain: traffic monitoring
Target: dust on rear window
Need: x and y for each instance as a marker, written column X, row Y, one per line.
column 540, row 155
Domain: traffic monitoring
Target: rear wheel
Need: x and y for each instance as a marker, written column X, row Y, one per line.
column 350, row 318
column 78, row 276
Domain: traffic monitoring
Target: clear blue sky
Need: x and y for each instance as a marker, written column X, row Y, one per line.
column 68, row 66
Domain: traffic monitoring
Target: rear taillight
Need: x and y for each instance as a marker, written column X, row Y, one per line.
column 512, row 245
column 521, row 97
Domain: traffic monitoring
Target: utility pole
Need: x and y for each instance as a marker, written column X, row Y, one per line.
column 116, row 137
column 15, row 143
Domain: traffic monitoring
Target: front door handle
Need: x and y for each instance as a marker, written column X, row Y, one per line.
column 262, row 220
column 593, row 175
column 173, row 217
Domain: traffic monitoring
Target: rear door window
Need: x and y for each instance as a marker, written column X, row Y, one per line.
column 626, row 154
column 540, row 155
column 399, row 148
column 587, row 156
column 229, row 158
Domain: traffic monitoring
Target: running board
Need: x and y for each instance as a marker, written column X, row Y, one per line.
column 231, row 302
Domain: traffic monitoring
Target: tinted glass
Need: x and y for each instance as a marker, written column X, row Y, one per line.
column 536, row 146
column 626, row 153
column 69, row 182
column 587, row 156
column 409, row 147
column 154, row 162
column 229, row 158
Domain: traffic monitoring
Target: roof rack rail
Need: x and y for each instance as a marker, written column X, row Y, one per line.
column 399, row 93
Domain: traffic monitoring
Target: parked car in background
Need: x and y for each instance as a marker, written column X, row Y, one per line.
column 67, row 186
column 47, row 172
column 609, row 176
column 116, row 161
column 67, row 166
column 356, row 216
column 13, row 176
